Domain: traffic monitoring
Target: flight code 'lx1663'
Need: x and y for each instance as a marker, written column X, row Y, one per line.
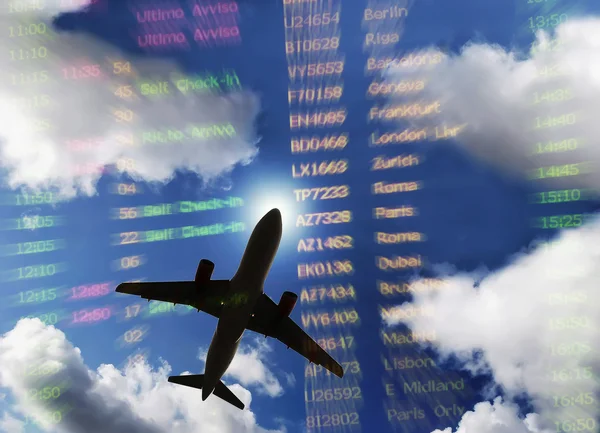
column 324, row 168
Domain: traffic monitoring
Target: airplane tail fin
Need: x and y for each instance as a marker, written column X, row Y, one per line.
column 197, row 380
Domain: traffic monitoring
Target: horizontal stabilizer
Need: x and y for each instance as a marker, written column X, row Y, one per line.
column 197, row 380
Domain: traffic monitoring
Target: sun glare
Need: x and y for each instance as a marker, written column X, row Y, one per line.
column 259, row 205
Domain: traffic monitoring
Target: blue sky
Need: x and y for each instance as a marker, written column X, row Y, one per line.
column 472, row 214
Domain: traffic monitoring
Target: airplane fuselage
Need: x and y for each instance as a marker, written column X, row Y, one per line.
column 247, row 284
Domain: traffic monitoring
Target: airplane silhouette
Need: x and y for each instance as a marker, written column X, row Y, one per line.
column 239, row 304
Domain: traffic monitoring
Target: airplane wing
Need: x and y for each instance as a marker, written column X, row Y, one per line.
column 209, row 298
column 289, row 333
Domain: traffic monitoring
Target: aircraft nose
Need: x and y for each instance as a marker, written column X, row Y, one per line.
column 274, row 214
column 272, row 219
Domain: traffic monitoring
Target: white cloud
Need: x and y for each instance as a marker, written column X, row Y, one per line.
column 75, row 128
column 513, row 320
column 249, row 368
column 491, row 90
column 495, row 417
column 138, row 399
column 10, row 424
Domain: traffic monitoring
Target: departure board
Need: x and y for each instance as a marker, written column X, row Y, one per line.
column 435, row 169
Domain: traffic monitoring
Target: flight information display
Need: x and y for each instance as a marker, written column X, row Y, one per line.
column 415, row 149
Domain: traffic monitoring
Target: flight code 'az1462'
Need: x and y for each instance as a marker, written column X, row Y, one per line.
column 322, row 244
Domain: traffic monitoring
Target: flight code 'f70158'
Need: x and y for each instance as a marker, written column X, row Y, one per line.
column 315, row 95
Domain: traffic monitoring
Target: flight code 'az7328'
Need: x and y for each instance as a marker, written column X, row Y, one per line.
column 323, row 218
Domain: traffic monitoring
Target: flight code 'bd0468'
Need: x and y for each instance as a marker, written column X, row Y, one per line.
column 315, row 144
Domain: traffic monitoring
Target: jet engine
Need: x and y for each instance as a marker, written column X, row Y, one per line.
column 287, row 303
column 204, row 272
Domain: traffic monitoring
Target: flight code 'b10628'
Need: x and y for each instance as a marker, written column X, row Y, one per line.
column 311, row 45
